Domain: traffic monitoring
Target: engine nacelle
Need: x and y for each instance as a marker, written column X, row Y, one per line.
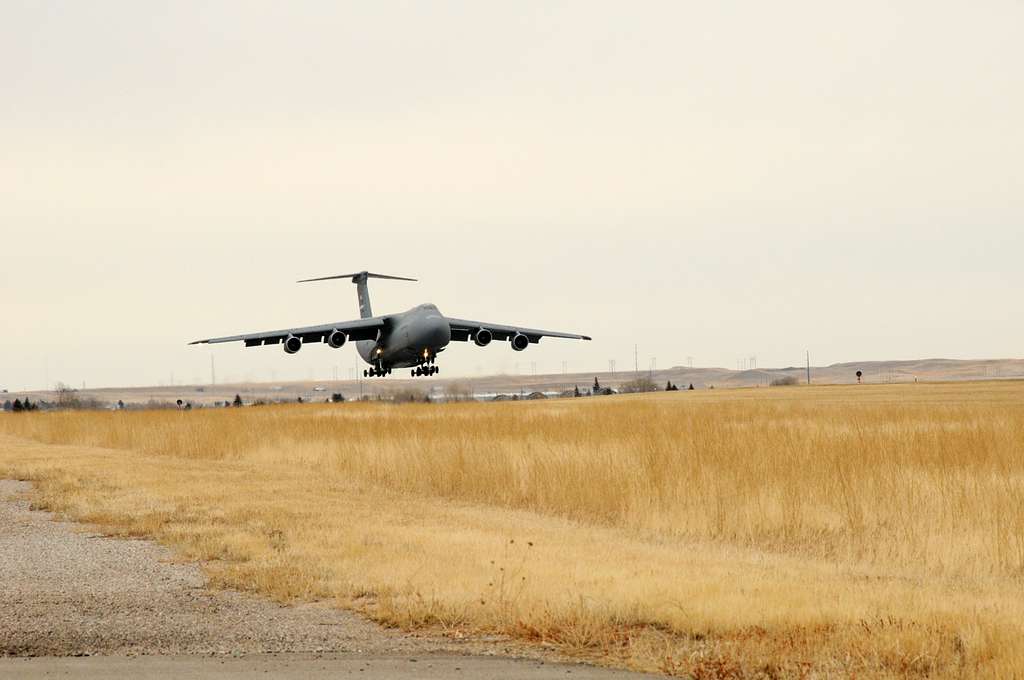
column 482, row 337
column 519, row 342
column 292, row 344
column 336, row 338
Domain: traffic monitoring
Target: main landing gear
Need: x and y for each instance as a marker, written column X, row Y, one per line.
column 425, row 370
column 376, row 372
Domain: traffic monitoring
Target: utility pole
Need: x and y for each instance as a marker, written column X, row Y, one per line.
column 808, row 367
column 689, row 362
column 611, row 365
column 636, row 360
column 213, row 372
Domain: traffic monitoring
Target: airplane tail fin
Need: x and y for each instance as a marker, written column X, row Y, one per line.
column 360, row 278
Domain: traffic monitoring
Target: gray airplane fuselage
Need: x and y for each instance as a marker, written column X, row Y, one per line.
column 411, row 338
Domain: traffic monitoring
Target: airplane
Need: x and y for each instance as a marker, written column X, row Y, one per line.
column 410, row 339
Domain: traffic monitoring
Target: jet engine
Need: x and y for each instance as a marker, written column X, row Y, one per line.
column 482, row 337
column 520, row 342
column 336, row 338
column 292, row 344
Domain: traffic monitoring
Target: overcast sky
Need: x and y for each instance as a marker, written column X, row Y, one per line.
column 715, row 180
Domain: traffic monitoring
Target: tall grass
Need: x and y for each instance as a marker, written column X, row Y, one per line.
column 893, row 490
column 934, row 485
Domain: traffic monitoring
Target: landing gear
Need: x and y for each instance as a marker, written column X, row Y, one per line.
column 425, row 370
column 379, row 372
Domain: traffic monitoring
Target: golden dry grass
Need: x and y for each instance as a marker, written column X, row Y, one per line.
column 863, row 530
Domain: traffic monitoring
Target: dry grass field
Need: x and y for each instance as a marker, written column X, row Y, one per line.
column 869, row 531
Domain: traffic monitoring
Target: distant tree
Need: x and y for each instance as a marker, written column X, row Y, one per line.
column 337, row 397
column 120, row 404
column 783, row 381
column 28, row 406
column 8, row 405
column 575, row 390
column 238, row 400
column 179, row 403
column 640, row 384
column 300, row 400
column 17, row 406
column 458, row 391
column 188, row 406
column 406, row 395
column 66, row 397
column 690, row 387
column 597, row 386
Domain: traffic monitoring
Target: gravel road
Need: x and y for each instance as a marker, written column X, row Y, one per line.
column 297, row 667
column 67, row 592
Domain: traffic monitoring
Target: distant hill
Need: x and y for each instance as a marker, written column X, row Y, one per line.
column 874, row 372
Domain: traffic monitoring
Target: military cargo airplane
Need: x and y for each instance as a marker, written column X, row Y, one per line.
column 410, row 339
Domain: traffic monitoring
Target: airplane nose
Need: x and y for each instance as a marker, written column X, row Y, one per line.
column 437, row 333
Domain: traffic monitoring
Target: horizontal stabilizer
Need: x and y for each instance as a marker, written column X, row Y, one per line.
column 357, row 276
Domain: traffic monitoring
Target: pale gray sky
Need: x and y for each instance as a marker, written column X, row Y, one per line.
column 712, row 180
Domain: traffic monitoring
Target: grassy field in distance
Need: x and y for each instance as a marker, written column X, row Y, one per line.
column 874, row 373
column 873, row 530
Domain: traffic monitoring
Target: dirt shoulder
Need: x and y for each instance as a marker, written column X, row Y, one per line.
column 298, row 666
column 69, row 592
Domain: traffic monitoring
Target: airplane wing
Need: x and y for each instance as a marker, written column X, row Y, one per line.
column 463, row 329
column 359, row 329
